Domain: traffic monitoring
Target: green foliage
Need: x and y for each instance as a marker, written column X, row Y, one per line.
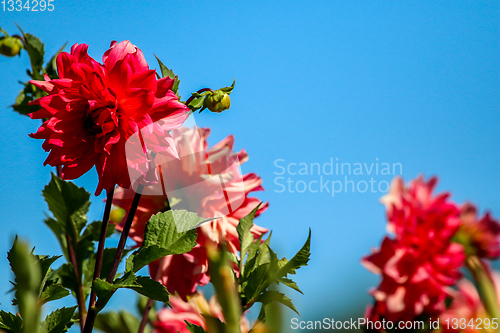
column 165, row 71
column 58, row 321
column 118, row 322
column 194, row 328
column 141, row 284
column 53, row 292
column 26, row 95
column 35, row 49
column 10, row 322
column 27, row 284
column 163, row 237
column 69, row 204
column 262, row 270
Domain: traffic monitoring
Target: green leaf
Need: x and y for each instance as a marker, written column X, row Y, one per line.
column 245, row 236
column 194, row 328
column 28, row 94
column 36, row 52
column 52, row 293
column 10, row 322
column 151, row 289
column 69, row 204
column 66, row 274
column 228, row 90
column 105, row 290
column 142, row 285
column 118, row 322
column 58, row 321
column 301, row 258
column 93, row 231
column 269, row 296
column 254, row 283
column 165, row 71
column 289, row 283
column 196, row 103
column 163, row 237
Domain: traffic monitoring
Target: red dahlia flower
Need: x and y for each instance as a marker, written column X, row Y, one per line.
column 192, row 182
column 92, row 110
column 420, row 264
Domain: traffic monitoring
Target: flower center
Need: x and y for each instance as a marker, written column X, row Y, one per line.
column 91, row 126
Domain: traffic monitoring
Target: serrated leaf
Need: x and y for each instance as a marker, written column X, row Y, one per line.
column 255, row 281
column 162, row 237
column 151, row 289
column 104, row 289
column 244, row 235
column 289, row 283
column 69, row 204
column 52, row 293
column 301, row 258
column 36, row 52
column 58, row 321
column 165, row 71
column 269, row 296
column 10, row 322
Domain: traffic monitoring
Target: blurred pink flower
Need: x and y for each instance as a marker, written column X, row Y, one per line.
column 420, row 264
column 173, row 320
column 482, row 235
column 196, row 164
column 466, row 305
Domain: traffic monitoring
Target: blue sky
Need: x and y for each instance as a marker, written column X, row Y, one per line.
column 415, row 83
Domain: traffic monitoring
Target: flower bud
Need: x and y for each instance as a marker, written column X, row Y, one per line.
column 218, row 101
column 10, row 46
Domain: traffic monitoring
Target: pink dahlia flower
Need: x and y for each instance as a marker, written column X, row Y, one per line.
column 465, row 306
column 420, row 264
column 193, row 183
column 173, row 320
column 93, row 109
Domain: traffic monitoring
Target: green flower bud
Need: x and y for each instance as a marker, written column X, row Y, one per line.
column 218, row 101
column 10, row 46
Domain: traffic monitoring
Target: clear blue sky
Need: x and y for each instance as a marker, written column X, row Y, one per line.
column 410, row 82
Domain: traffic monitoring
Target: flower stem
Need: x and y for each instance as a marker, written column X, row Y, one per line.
column 199, row 92
column 72, row 257
column 145, row 315
column 89, row 322
column 486, row 287
column 222, row 278
column 79, row 297
column 124, row 235
column 102, row 239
